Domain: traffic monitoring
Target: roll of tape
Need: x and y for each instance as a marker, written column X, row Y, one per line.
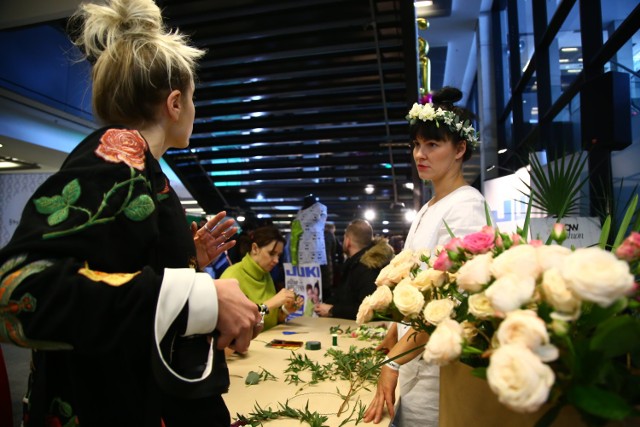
column 313, row 345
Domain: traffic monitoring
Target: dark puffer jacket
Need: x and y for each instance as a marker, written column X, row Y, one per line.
column 359, row 273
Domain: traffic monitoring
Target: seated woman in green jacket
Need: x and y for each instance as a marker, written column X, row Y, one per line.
column 262, row 248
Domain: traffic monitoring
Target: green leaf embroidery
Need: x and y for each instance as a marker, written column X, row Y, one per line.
column 71, row 192
column 47, row 205
column 140, row 208
column 58, row 207
column 58, row 216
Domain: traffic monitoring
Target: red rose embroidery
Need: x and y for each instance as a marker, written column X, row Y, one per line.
column 123, row 145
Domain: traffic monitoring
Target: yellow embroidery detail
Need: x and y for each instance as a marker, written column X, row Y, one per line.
column 112, row 279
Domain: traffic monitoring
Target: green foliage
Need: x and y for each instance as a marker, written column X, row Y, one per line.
column 359, row 367
column 556, row 192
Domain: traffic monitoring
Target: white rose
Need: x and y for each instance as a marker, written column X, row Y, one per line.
column 445, row 343
column 509, row 292
column 521, row 260
column 469, row 330
column 381, row 298
column 365, row 312
column 551, row 256
column 519, row 378
column 597, row 276
column 438, row 310
column 390, row 275
column 408, row 300
column 558, row 294
column 405, row 256
column 480, row 306
column 524, row 327
column 475, row 273
column 429, row 278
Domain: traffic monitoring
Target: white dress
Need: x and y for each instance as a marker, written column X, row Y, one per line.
column 311, row 247
column 464, row 212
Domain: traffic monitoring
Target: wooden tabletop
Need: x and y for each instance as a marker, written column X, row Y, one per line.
column 323, row 397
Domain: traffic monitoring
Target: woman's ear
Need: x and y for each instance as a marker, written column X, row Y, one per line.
column 461, row 148
column 174, row 104
column 254, row 248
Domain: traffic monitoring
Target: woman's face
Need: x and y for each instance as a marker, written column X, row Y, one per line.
column 268, row 255
column 437, row 159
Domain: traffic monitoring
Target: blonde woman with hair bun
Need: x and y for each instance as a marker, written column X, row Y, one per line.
column 103, row 276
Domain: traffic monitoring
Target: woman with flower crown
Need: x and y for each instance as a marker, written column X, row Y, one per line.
column 443, row 139
column 103, row 275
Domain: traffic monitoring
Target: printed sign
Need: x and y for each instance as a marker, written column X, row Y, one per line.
column 306, row 281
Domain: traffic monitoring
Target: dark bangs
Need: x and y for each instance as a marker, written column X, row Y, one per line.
column 429, row 130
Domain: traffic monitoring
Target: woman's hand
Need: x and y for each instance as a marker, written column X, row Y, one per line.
column 294, row 305
column 211, row 240
column 285, row 297
column 238, row 318
column 385, row 396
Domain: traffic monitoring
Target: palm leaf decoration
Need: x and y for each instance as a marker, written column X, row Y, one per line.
column 556, row 191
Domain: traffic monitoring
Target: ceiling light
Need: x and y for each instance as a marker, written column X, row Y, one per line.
column 240, row 218
column 369, row 214
column 9, row 163
column 409, row 215
column 569, row 49
column 385, row 230
column 409, row 185
column 369, row 189
column 502, row 150
column 188, row 202
column 385, row 222
column 425, row 3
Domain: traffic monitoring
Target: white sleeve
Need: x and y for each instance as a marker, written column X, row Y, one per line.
column 180, row 285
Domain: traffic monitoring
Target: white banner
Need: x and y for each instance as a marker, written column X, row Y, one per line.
column 306, row 281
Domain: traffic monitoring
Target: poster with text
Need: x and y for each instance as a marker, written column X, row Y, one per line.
column 306, row 281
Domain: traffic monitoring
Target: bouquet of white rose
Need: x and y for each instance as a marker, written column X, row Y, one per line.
column 541, row 322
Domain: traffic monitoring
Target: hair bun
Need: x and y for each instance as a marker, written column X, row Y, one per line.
column 447, row 95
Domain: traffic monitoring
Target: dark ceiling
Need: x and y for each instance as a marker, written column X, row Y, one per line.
column 300, row 97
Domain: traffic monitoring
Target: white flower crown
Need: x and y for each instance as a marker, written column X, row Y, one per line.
column 426, row 112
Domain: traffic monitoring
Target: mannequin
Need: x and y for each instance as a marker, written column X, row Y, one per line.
column 307, row 237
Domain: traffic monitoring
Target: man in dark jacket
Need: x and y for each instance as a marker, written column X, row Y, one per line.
column 366, row 257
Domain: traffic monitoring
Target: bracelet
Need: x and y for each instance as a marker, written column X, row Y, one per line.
column 393, row 365
column 263, row 309
column 284, row 310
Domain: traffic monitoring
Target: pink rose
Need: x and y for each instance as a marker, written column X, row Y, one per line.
column 454, row 244
column 478, row 243
column 123, row 146
column 515, row 239
column 443, row 263
column 536, row 243
column 489, row 230
column 629, row 250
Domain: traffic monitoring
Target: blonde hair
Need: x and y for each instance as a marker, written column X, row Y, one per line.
column 138, row 62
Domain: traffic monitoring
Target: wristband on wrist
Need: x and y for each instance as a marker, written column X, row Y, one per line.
column 393, row 365
column 284, row 310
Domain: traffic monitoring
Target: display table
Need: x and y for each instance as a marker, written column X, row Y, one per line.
column 322, row 397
